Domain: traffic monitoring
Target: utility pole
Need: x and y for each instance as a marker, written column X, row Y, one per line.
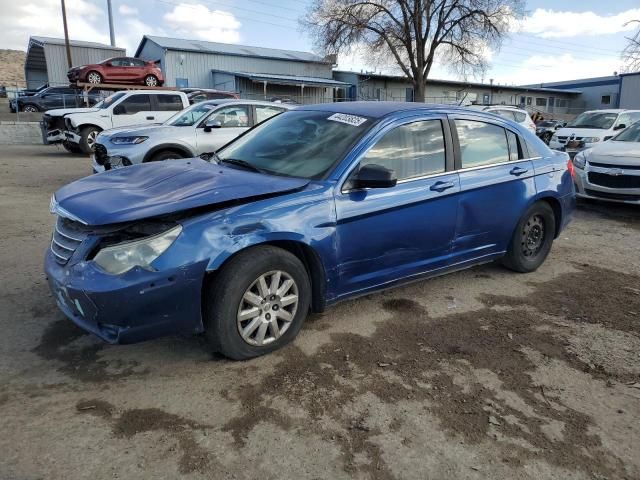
column 112, row 35
column 66, row 34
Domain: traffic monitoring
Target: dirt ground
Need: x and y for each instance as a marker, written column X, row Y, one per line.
column 479, row 374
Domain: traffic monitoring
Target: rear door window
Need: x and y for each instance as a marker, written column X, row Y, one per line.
column 134, row 104
column 515, row 151
column 481, row 143
column 169, row 103
column 412, row 150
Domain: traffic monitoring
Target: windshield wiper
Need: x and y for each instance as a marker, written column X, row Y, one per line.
column 239, row 163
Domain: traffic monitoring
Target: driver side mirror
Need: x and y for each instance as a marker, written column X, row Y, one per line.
column 374, row 176
column 620, row 126
column 211, row 124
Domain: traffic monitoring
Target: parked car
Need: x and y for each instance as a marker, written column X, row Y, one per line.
column 591, row 128
column 3, row 91
column 196, row 95
column 316, row 205
column 53, row 126
column 32, row 91
column 118, row 70
column 122, row 109
column 203, row 127
column 509, row 112
column 611, row 170
column 53, row 97
column 546, row 128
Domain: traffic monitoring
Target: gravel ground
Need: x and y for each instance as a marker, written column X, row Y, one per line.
column 479, row 374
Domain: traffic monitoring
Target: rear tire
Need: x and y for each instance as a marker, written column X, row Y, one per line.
column 151, row 81
column 94, row 77
column 165, row 155
column 278, row 290
column 88, row 139
column 532, row 239
column 71, row 148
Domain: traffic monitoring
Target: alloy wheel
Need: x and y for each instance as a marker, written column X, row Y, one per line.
column 267, row 308
column 94, row 77
column 533, row 236
column 151, row 81
column 30, row 109
column 91, row 139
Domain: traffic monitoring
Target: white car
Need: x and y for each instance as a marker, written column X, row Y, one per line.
column 611, row 170
column 203, row 127
column 515, row 114
column 122, row 109
column 592, row 128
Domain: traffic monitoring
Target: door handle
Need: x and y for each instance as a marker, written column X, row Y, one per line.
column 517, row 171
column 151, row 118
column 441, row 186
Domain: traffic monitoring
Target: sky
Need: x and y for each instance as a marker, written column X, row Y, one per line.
column 555, row 41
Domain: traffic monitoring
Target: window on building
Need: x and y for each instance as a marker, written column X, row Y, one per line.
column 486, row 99
column 541, row 102
column 408, row 94
column 410, row 150
column 561, row 102
column 169, row 103
column 529, row 100
column 481, row 143
column 606, row 100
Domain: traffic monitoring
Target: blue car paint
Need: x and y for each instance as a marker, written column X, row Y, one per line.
column 361, row 240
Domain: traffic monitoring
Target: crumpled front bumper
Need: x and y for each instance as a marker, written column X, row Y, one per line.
column 135, row 306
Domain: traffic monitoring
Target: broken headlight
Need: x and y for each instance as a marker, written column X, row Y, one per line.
column 123, row 257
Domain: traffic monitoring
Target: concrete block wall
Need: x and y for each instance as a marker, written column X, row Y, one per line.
column 20, row 133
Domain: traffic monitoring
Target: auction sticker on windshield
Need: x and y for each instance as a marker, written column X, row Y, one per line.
column 354, row 120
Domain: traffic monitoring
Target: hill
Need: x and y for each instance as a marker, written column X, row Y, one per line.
column 12, row 68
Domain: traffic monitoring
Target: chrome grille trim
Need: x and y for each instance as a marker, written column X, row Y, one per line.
column 67, row 237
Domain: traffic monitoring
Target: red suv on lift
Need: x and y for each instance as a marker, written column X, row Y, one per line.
column 118, row 70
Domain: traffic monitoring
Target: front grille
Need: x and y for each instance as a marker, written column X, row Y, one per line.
column 613, row 196
column 614, row 181
column 67, row 236
column 52, row 123
column 100, row 153
column 563, row 139
column 610, row 165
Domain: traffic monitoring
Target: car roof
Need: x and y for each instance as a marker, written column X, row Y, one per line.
column 378, row 109
column 232, row 101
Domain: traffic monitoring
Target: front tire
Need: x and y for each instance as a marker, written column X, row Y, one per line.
column 165, row 155
column 94, row 77
column 29, row 108
column 257, row 303
column 88, row 137
column 532, row 239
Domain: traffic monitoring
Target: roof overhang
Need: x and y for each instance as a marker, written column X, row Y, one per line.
column 291, row 80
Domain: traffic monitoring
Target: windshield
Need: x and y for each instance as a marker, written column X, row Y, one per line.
column 191, row 115
column 107, row 102
column 631, row 134
column 602, row 120
column 302, row 143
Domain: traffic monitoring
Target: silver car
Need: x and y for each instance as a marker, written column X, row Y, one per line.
column 611, row 170
column 203, row 127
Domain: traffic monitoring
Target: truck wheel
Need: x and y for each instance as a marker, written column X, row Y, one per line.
column 532, row 239
column 88, row 139
column 30, row 108
column 165, row 155
column 94, row 77
column 151, row 81
column 257, row 303
column 70, row 147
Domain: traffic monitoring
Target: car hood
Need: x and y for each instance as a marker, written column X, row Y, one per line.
column 616, row 153
column 153, row 189
column 142, row 130
column 61, row 112
column 583, row 132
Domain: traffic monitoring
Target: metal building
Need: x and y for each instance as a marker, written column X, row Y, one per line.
column 629, row 93
column 253, row 72
column 46, row 60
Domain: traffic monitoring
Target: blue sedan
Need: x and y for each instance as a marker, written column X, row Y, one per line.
column 316, row 205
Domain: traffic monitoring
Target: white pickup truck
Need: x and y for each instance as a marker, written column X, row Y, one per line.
column 78, row 128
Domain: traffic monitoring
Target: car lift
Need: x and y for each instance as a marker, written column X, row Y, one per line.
column 87, row 87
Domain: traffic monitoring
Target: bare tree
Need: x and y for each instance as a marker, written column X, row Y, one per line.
column 414, row 33
column 631, row 53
